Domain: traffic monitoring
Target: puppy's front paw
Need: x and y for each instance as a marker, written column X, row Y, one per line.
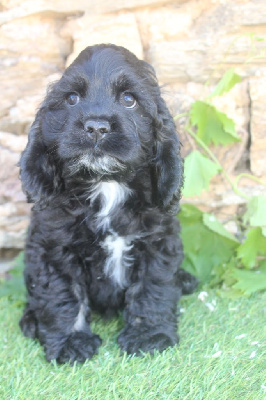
column 79, row 347
column 134, row 341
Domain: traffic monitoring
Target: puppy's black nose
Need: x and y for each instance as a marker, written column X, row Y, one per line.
column 97, row 129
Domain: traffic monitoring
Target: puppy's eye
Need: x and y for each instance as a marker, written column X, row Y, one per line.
column 72, row 99
column 128, row 100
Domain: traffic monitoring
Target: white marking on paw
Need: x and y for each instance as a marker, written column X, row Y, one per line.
column 118, row 260
column 112, row 195
column 80, row 319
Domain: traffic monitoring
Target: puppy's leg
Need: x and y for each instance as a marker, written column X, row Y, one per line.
column 151, row 309
column 58, row 312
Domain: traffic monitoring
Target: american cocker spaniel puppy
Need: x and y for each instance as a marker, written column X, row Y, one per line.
column 103, row 169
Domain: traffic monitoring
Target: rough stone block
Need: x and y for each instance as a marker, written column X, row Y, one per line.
column 120, row 29
column 13, row 208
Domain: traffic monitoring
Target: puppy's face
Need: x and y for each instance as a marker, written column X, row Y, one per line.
column 100, row 115
column 105, row 116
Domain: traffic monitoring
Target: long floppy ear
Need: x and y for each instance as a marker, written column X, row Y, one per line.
column 39, row 173
column 168, row 162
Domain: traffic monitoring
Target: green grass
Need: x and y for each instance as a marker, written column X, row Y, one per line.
column 215, row 358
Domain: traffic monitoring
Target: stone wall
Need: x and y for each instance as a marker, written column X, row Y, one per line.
column 187, row 41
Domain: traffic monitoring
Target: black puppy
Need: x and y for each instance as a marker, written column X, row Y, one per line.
column 103, row 167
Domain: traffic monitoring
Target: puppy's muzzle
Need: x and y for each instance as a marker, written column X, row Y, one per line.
column 97, row 129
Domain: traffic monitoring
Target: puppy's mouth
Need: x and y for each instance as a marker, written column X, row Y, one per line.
column 97, row 162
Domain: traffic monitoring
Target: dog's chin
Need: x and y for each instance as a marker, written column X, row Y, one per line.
column 101, row 164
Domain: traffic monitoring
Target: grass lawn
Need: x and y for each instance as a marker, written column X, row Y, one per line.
column 222, row 355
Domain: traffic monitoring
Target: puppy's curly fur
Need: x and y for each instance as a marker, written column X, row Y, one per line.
column 103, row 169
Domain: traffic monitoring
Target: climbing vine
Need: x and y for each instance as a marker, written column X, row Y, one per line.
column 217, row 257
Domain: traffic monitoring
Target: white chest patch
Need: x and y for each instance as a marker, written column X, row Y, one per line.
column 118, row 258
column 112, row 195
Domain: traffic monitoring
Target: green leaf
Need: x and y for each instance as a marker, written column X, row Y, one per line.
column 198, row 171
column 213, row 126
column 250, row 281
column 190, row 213
column 253, row 247
column 213, row 224
column 204, row 248
column 222, row 273
column 228, row 81
column 256, row 211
